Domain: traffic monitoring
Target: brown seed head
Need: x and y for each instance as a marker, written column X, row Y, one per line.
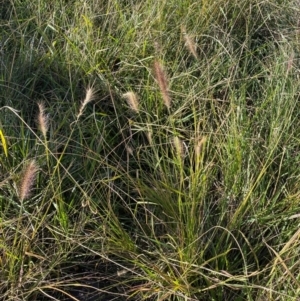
column 27, row 180
column 190, row 44
column 162, row 81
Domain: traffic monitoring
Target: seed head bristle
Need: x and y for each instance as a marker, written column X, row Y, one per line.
column 162, row 81
column 27, row 180
column 132, row 101
column 42, row 120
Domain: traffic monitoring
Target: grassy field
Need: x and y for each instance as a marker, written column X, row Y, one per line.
column 149, row 150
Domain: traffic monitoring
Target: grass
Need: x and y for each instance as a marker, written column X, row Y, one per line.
column 149, row 150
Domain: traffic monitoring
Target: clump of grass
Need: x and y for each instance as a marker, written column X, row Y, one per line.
column 206, row 206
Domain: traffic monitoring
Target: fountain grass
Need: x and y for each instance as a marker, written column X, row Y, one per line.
column 149, row 150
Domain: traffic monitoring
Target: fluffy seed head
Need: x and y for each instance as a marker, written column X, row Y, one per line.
column 27, row 180
column 190, row 43
column 42, row 120
column 162, row 81
column 89, row 96
column 199, row 145
column 132, row 101
column 178, row 146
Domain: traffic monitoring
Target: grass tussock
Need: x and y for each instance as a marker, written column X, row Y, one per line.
column 177, row 175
